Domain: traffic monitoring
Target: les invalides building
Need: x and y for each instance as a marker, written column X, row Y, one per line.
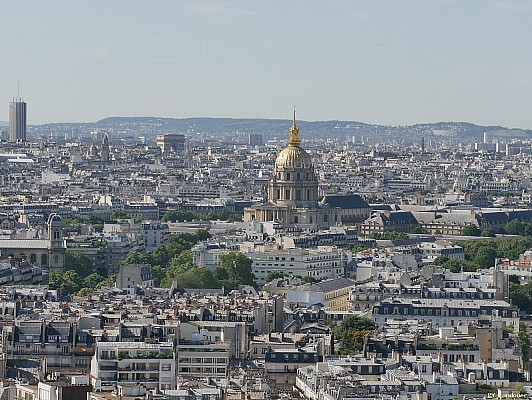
column 293, row 194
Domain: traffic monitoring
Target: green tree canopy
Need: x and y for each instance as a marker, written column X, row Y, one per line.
column 487, row 232
column 485, row 257
column 388, row 235
column 69, row 281
column 351, row 332
column 275, row 275
column 515, row 228
column 470, row 230
column 198, row 278
column 118, row 215
column 79, row 262
column 235, row 270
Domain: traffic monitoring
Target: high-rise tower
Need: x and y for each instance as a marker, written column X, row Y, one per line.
column 17, row 120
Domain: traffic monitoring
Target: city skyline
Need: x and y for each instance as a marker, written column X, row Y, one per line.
column 375, row 62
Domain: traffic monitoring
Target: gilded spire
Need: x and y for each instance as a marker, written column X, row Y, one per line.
column 294, row 133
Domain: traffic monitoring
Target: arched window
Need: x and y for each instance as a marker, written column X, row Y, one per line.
column 44, row 259
column 33, row 258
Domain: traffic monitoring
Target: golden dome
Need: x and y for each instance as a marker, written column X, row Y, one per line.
column 293, row 156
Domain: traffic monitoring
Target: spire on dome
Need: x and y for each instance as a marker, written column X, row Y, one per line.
column 294, row 133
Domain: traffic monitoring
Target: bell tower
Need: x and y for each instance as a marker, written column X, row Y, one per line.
column 57, row 245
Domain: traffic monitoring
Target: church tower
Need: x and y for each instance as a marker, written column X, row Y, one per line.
column 57, row 246
column 105, row 148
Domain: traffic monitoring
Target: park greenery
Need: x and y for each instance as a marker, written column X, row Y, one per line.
column 173, row 262
column 184, row 215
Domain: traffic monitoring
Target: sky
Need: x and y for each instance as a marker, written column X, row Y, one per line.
column 377, row 61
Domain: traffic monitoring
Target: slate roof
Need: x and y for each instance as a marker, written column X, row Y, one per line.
column 344, row 201
column 58, row 329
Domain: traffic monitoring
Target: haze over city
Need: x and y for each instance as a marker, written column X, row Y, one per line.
column 382, row 62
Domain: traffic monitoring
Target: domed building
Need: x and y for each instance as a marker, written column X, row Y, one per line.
column 293, row 192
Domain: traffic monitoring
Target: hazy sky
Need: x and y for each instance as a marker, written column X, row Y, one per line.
column 386, row 62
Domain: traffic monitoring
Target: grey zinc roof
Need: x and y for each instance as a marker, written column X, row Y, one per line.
column 24, row 244
column 331, row 285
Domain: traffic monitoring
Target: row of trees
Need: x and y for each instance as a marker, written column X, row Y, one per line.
column 279, row 274
column 388, row 235
column 482, row 253
column 183, row 215
column 511, row 228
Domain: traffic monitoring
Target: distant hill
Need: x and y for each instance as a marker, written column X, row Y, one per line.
column 332, row 128
column 150, row 126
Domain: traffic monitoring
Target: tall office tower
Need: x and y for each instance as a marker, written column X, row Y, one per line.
column 17, row 120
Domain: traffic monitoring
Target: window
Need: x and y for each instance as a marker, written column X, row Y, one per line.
column 298, row 194
column 287, row 194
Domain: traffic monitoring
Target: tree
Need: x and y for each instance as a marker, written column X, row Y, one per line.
column 440, row 260
column 183, row 261
column 388, row 235
column 485, row 257
column 68, row 281
column 356, row 247
column 92, row 281
column 521, row 296
column 118, row 215
column 351, row 332
column 309, row 279
column 137, row 257
column 524, row 341
column 275, row 275
column 198, row 278
column 419, row 230
column 79, row 262
column 179, row 216
column 235, row 270
column 487, row 232
column 515, row 227
column 157, row 274
column 470, row 230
